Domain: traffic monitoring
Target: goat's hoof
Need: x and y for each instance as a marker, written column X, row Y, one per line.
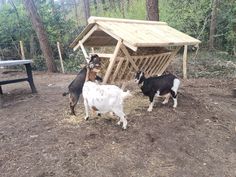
column 118, row 123
column 149, row 110
column 86, row 118
column 124, row 127
column 164, row 102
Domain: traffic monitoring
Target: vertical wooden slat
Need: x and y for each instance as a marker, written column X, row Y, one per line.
column 124, row 69
column 170, row 59
column 158, row 60
column 145, row 65
column 117, row 69
column 161, row 64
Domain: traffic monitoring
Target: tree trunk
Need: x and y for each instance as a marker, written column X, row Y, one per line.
column 32, row 46
column 76, row 13
column 95, row 6
column 86, row 10
column 63, row 9
column 122, row 4
column 152, row 10
column 2, row 2
column 104, row 5
column 213, row 24
column 41, row 34
column 112, row 4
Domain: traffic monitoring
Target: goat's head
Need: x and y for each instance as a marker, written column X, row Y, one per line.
column 139, row 77
column 94, row 63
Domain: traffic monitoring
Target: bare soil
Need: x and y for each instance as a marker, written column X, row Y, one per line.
column 38, row 137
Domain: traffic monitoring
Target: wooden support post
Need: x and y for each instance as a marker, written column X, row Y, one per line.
column 83, row 50
column 92, row 49
column 61, row 61
column 22, row 51
column 185, row 62
column 112, row 61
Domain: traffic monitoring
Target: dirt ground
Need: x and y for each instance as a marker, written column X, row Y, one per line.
column 38, row 137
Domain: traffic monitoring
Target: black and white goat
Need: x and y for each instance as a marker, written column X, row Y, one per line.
column 159, row 86
column 76, row 86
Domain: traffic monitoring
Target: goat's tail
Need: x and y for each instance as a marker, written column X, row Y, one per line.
column 126, row 94
column 65, row 93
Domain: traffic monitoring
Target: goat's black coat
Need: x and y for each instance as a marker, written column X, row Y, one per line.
column 76, row 86
column 151, row 85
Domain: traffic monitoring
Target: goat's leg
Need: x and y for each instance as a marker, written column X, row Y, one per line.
column 86, row 109
column 152, row 101
column 174, row 96
column 121, row 115
column 73, row 101
column 167, row 97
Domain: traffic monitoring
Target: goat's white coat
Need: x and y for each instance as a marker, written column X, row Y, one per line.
column 105, row 98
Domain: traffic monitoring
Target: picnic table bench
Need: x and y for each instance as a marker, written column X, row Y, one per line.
column 29, row 78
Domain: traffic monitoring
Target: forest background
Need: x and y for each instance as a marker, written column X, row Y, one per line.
column 211, row 21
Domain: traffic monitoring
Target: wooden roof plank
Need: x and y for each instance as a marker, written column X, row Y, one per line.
column 134, row 33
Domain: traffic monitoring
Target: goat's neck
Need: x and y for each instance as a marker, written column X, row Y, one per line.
column 141, row 82
column 87, row 75
column 90, row 75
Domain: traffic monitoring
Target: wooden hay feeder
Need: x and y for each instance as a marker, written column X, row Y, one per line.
column 133, row 45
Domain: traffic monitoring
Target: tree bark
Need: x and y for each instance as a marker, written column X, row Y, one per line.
column 63, row 9
column 152, row 8
column 95, row 6
column 213, row 24
column 103, row 5
column 122, row 4
column 112, row 4
column 41, row 34
column 86, row 10
column 76, row 13
column 32, row 46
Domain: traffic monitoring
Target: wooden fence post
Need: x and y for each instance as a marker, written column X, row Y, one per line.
column 185, row 62
column 61, row 61
column 22, row 51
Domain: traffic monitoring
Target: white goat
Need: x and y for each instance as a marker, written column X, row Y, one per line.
column 103, row 99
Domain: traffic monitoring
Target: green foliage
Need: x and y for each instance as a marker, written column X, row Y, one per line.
column 136, row 10
column 74, row 62
column 189, row 16
column 12, row 28
column 186, row 16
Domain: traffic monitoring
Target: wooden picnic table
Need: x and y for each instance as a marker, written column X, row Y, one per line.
column 29, row 78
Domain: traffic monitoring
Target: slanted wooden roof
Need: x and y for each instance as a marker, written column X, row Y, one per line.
column 102, row 31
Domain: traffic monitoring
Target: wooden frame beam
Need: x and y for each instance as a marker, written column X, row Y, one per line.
column 134, row 48
column 85, row 37
column 83, row 50
column 112, row 61
column 89, row 33
column 123, row 48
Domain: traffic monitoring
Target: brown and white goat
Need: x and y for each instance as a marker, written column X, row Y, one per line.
column 76, row 86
